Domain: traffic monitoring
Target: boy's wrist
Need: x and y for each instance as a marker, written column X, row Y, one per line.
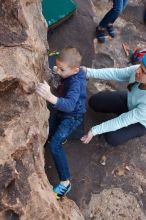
column 52, row 99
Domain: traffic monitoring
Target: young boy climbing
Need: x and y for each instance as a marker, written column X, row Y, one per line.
column 69, row 106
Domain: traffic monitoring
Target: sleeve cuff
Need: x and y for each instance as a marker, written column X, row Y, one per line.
column 94, row 133
column 56, row 105
column 87, row 73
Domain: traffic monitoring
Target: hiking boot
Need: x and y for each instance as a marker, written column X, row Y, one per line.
column 100, row 34
column 60, row 190
column 110, row 30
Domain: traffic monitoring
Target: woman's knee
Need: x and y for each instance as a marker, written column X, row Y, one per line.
column 54, row 145
column 94, row 101
column 111, row 139
column 91, row 102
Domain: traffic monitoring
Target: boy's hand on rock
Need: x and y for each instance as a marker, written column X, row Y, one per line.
column 87, row 138
column 43, row 89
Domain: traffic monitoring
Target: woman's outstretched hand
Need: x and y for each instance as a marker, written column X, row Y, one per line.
column 87, row 138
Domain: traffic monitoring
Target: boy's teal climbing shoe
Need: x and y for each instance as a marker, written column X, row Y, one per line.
column 60, row 190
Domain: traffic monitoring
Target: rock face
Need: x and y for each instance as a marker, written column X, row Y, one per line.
column 24, row 189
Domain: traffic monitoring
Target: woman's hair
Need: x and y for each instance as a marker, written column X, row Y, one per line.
column 71, row 56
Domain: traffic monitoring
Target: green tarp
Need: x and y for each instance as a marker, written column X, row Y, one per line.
column 56, row 11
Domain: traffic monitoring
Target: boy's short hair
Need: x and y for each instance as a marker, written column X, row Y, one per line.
column 71, row 56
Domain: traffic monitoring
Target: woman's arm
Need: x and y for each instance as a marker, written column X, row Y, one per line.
column 117, row 74
column 124, row 120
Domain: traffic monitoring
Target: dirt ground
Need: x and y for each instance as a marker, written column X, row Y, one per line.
column 107, row 183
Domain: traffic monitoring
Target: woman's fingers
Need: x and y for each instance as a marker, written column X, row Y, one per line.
column 87, row 138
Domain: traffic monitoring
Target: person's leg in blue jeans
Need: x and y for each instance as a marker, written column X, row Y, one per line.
column 53, row 120
column 113, row 14
column 116, row 102
column 109, row 19
column 109, row 102
column 65, row 128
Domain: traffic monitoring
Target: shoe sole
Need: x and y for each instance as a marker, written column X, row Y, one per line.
column 62, row 197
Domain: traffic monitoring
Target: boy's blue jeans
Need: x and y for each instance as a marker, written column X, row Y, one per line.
column 61, row 127
column 112, row 15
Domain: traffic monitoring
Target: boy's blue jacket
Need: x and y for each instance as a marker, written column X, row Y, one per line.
column 73, row 101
